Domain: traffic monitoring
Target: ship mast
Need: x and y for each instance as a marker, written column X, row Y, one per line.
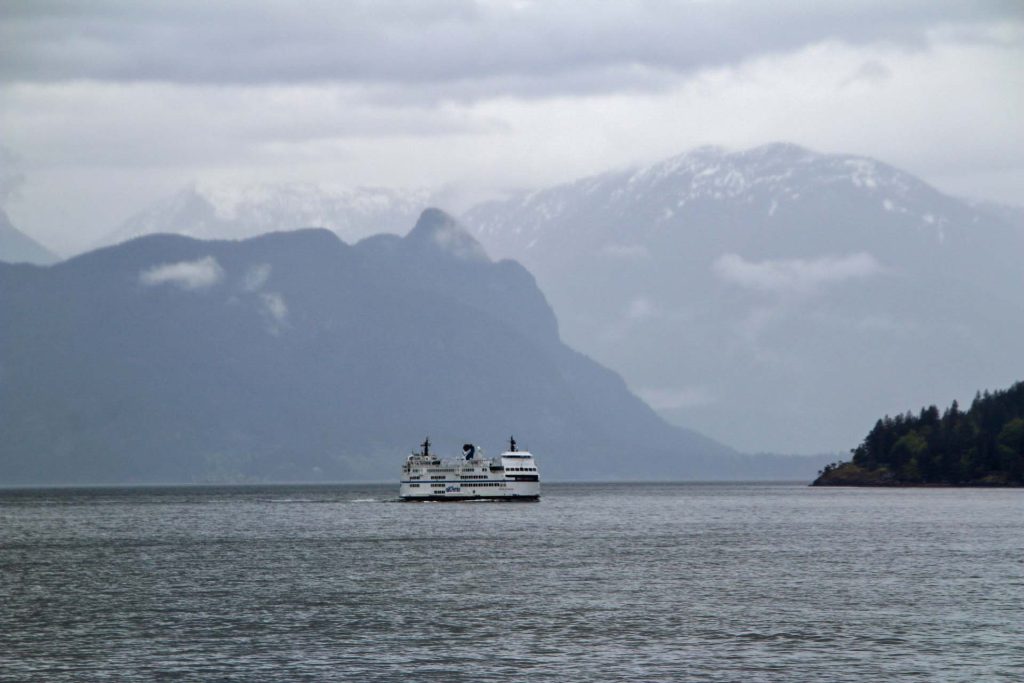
column 512, row 444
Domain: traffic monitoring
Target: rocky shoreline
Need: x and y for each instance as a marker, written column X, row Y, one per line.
column 849, row 474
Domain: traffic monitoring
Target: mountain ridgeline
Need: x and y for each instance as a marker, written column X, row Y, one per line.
column 297, row 357
column 733, row 290
column 240, row 211
column 774, row 297
column 981, row 447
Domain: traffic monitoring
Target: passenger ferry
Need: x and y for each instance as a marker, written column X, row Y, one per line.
column 511, row 476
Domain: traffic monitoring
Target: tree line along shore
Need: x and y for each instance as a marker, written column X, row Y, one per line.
column 983, row 446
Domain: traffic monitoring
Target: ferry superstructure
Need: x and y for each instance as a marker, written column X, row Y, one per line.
column 511, row 476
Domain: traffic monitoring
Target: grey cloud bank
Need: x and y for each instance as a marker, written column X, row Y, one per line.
column 517, row 46
column 111, row 105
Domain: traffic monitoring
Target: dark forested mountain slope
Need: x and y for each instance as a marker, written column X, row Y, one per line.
column 294, row 356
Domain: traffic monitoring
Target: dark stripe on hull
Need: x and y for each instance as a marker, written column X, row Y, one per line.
column 459, row 499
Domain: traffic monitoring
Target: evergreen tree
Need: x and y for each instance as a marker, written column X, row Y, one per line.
column 985, row 445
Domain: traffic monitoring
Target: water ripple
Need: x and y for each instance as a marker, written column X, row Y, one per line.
column 613, row 582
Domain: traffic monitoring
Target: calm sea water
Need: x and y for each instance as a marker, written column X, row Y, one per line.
column 596, row 582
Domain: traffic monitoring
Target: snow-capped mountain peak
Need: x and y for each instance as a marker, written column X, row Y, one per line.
column 773, row 180
column 779, row 168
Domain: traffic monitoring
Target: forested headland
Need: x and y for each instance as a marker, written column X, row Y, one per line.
column 983, row 446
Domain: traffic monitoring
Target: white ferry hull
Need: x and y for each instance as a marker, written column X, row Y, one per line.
column 512, row 476
column 464, row 498
column 505, row 491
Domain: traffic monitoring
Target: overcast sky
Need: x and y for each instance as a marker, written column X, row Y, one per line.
column 107, row 106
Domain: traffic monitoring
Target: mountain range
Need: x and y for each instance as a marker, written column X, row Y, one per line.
column 775, row 298
column 295, row 356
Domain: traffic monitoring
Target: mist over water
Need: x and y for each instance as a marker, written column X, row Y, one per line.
column 595, row 582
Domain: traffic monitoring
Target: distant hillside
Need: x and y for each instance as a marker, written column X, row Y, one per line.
column 982, row 447
column 294, row 356
column 776, row 298
column 17, row 247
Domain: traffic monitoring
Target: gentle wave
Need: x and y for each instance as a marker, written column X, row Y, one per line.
column 627, row 582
